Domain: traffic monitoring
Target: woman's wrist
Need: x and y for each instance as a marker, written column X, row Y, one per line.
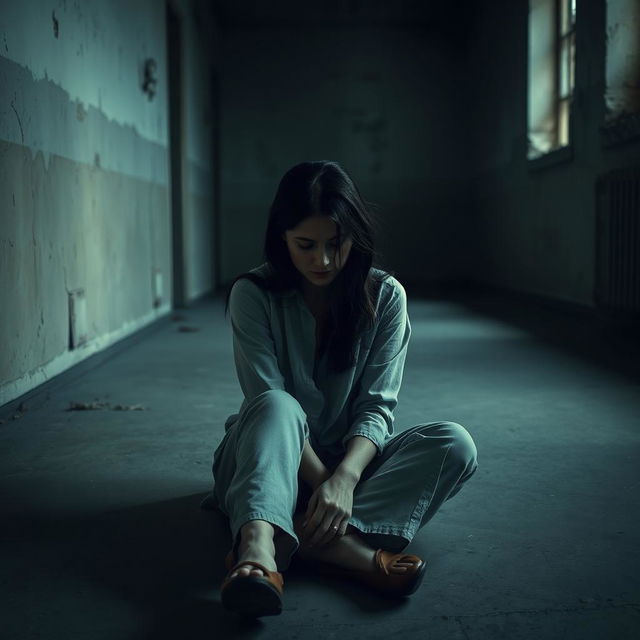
column 323, row 476
column 347, row 475
column 312, row 469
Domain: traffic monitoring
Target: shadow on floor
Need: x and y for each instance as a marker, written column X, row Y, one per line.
column 607, row 338
column 165, row 562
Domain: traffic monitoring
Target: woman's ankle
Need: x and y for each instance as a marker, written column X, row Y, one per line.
column 257, row 530
column 349, row 551
column 263, row 551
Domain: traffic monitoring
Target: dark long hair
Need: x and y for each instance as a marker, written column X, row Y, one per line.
column 324, row 188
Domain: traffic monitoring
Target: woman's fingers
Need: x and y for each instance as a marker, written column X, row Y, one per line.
column 332, row 533
column 312, row 522
column 326, row 532
column 320, row 530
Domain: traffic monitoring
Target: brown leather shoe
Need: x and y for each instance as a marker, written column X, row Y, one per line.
column 389, row 578
column 253, row 596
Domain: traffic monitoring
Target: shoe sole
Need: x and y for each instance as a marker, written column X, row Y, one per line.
column 252, row 596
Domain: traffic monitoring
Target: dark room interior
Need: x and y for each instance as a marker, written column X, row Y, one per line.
column 141, row 145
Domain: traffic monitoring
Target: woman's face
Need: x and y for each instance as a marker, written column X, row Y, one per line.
column 313, row 247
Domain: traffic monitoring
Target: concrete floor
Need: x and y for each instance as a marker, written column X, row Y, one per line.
column 102, row 535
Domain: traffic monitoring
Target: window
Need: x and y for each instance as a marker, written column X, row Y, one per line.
column 551, row 74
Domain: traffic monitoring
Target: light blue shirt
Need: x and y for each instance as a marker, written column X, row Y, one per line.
column 274, row 343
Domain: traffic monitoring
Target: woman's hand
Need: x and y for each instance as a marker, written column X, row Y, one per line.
column 330, row 506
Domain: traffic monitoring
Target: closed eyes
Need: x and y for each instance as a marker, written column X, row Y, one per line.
column 334, row 245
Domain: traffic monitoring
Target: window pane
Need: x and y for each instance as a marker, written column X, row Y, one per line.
column 565, row 68
column 565, row 23
column 563, row 123
column 542, row 77
column 567, row 15
column 572, row 62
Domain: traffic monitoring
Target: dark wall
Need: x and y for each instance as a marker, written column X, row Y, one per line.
column 534, row 227
column 382, row 101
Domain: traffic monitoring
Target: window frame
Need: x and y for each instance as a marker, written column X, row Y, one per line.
column 565, row 15
column 561, row 26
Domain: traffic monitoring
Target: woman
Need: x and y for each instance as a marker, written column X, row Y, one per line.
column 309, row 465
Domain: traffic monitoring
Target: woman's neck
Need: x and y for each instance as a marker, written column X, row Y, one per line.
column 316, row 298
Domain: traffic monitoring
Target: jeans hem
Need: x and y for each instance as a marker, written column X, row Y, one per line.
column 383, row 529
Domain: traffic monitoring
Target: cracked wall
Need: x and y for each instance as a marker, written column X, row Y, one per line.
column 84, row 178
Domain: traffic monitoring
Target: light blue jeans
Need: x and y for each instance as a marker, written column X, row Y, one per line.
column 255, row 469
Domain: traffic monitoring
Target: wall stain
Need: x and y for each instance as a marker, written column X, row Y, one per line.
column 373, row 129
column 376, row 167
column 374, row 125
column 56, row 27
column 81, row 112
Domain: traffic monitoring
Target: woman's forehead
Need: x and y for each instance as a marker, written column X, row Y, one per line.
column 317, row 227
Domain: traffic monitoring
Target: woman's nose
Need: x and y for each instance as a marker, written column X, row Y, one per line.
column 324, row 258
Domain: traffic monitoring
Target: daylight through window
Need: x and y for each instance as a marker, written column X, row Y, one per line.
column 551, row 74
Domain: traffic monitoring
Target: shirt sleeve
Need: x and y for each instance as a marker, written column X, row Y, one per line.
column 254, row 349
column 377, row 394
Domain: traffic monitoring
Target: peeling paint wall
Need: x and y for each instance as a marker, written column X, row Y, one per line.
column 623, row 57
column 84, row 178
column 384, row 102
column 534, row 230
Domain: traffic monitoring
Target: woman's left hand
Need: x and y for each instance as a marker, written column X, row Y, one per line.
column 330, row 506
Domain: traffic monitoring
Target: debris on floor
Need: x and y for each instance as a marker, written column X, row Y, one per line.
column 91, row 406
column 87, row 406
column 22, row 409
column 185, row 329
column 129, row 407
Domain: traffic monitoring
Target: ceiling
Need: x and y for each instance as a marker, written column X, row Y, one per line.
column 444, row 16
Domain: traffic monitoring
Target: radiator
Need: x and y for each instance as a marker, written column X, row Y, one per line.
column 618, row 240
